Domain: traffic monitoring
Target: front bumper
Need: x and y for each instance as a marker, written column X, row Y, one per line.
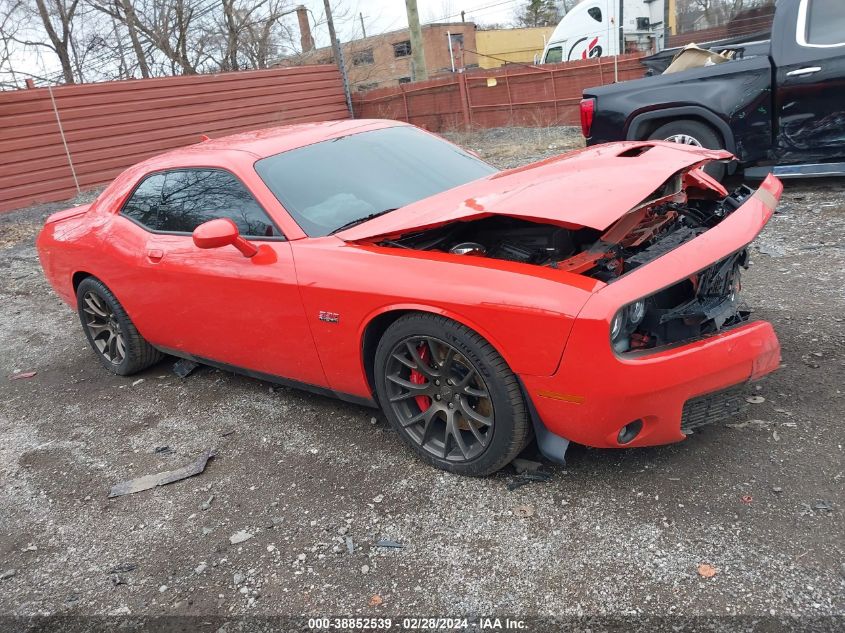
column 596, row 392
column 589, row 401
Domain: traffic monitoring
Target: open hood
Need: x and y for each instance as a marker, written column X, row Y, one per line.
column 592, row 188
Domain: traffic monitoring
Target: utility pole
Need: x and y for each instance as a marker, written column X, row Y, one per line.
column 363, row 28
column 420, row 72
column 338, row 56
column 332, row 34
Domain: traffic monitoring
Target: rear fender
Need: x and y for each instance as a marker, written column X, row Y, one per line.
column 637, row 124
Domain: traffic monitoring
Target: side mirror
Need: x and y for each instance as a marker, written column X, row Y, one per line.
column 222, row 232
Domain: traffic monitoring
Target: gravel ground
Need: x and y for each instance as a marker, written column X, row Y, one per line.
column 317, row 483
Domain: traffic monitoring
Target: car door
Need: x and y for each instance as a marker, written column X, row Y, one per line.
column 217, row 304
column 810, row 79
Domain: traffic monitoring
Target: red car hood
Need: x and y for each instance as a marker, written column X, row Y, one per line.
column 592, row 187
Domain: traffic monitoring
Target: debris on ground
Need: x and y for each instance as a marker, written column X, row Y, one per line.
column 350, row 546
column 184, row 367
column 706, row 570
column 747, row 498
column 240, row 536
column 525, row 511
column 22, row 375
column 388, row 544
column 123, row 568
column 161, row 479
column 755, row 399
column 376, row 600
column 526, row 465
column 163, row 450
column 9, row 573
column 527, row 478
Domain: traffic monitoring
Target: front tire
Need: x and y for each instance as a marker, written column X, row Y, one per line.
column 119, row 346
column 695, row 133
column 450, row 395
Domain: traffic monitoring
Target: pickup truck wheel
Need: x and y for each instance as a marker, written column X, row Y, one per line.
column 450, row 395
column 692, row 133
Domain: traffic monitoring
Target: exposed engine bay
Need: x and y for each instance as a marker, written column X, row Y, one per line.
column 702, row 304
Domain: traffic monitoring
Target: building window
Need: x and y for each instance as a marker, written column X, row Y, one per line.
column 362, row 58
column 404, row 80
column 363, row 87
column 402, row 49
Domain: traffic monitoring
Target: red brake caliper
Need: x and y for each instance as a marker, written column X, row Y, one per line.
column 423, row 402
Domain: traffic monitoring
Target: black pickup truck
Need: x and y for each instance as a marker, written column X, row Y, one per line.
column 778, row 106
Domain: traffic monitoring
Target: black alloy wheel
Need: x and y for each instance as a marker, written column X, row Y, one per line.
column 119, row 346
column 450, row 395
column 101, row 324
column 440, row 398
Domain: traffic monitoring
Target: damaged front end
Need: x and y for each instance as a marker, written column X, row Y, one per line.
column 684, row 207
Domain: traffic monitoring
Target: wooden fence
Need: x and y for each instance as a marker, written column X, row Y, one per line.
column 107, row 127
column 511, row 95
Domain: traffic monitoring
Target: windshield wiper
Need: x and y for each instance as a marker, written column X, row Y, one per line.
column 366, row 218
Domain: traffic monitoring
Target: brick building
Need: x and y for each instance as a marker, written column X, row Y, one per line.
column 385, row 60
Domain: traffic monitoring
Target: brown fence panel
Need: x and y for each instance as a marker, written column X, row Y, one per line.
column 109, row 126
column 511, row 95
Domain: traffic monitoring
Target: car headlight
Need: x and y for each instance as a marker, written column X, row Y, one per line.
column 636, row 312
column 617, row 325
column 624, row 323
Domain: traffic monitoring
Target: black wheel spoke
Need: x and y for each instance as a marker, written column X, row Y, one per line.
column 459, row 440
column 422, row 416
column 103, row 328
column 474, row 392
column 448, row 359
column 471, row 414
column 426, row 433
column 410, row 364
column 419, row 364
column 419, row 388
column 474, row 430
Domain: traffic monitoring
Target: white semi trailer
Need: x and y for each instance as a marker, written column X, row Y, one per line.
column 601, row 28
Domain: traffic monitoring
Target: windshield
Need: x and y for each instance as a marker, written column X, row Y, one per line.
column 334, row 183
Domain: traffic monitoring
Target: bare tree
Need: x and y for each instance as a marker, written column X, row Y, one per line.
column 9, row 26
column 252, row 32
column 56, row 19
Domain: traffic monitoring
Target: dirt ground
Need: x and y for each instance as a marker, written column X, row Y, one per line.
column 317, row 482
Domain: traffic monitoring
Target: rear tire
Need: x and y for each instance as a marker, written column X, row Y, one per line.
column 694, row 133
column 450, row 395
column 119, row 346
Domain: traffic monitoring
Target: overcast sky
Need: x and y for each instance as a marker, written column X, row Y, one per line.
column 381, row 16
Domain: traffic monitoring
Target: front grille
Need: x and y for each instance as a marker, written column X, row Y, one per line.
column 720, row 406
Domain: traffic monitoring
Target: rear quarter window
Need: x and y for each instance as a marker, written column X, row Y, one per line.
column 142, row 206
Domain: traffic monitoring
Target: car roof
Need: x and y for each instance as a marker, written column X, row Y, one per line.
column 269, row 141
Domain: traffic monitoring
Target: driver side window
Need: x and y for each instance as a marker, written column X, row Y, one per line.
column 179, row 201
column 554, row 55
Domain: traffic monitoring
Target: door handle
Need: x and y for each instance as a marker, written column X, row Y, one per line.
column 800, row 72
column 155, row 255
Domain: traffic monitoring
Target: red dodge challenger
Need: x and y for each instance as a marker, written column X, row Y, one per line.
column 591, row 297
